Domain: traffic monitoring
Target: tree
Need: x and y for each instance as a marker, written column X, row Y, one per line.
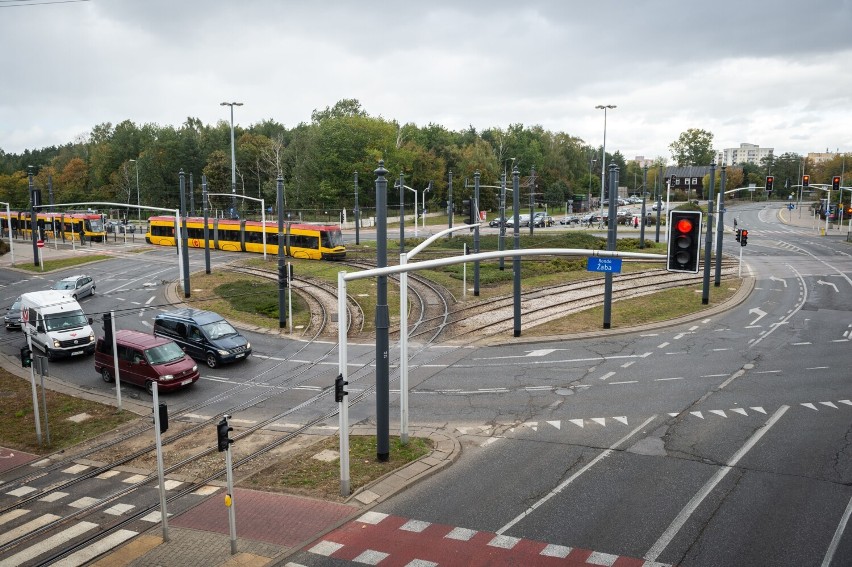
column 693, row 147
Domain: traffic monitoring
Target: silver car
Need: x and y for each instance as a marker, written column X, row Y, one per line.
column 77, row 286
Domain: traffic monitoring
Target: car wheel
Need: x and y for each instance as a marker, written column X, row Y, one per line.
column 211, row 360
column 149, row 387
column 106, row 375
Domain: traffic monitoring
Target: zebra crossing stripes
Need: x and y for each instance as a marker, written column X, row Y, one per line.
column 376, row 538
column 48, row 544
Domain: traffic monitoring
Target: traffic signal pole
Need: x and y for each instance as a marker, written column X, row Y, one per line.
column 164, row 515
column 35, row 394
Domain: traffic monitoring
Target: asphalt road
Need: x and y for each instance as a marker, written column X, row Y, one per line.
column 724, row 441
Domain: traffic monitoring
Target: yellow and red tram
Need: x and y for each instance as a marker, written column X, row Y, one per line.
column 308, row 241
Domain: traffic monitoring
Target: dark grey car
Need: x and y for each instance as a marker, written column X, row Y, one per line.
column 12, row 318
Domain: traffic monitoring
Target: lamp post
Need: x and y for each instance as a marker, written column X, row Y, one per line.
column 233, row 159
column 592, row 163
column 604, row 107
column 138, row 201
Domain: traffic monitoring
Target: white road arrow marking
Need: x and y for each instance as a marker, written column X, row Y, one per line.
column 828, row 283
column 783, row 281
column 759, row 312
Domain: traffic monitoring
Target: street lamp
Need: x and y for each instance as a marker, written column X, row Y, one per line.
column 592, row 162
column 138, row 201
column 233, row 159
column 604, row 107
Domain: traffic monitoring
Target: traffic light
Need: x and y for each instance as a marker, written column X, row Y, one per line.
column 26, row 357
column 770, row 179
column 835, row 183
column 163, row 411
column 806, row 181
column 744, row 237
column 469, row 211
column 684, row 241
column 282, row 275
column 339, row 392
column 738, row 234
column 222, row 430
column 108, row 330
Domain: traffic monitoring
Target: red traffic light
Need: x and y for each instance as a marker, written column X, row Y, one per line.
column 684, row 225
column 835, row 183
column 744, row 233
column 806, row 180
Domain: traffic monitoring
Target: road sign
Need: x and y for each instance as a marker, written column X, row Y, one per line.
column 604, row 265
column 40, row 243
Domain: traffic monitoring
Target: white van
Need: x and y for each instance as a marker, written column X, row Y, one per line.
column 56, row 324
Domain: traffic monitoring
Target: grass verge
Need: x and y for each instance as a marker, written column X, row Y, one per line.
column 305, row 475
column 60, row 263
column 16, row 414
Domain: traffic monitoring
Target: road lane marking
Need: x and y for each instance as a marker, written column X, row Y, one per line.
column 708, row 487
column 838, row 533
column 575, row 476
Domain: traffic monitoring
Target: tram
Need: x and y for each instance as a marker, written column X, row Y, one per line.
column 307, row 241
column 85, row 227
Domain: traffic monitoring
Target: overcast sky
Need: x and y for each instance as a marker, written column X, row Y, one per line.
column 776, row 74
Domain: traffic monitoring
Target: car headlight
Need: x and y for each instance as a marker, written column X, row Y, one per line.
column 248, row 345
column 56, row 344
column 92, row 337
column 194, row 367
column 222, row 352
column 167, row 377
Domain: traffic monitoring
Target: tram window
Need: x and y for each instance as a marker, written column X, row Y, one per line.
column 230, row 235
column 196, row 233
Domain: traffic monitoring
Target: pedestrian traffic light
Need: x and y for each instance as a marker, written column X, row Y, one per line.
column 835, row 183
column 806, row 181
column 108, row 330
column 163, row 411
column 738, row 234
column 339, row 392
column 744, row 237
column 769, row 181
column 684, row 241
column 222, row 429
column 26, row 357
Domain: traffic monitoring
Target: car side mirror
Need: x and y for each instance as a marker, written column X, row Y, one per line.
column 91, row 321
column 40, row 328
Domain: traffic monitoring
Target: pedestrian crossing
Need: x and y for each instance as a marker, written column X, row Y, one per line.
column 18, row 523
column 376, row 538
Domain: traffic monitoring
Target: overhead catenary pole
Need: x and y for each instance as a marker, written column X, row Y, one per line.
column 282, row 268
column 659, row 186
column 233, row 160
column 357, row 214
column 708, row 237
column 516, row 261
column 382, row 317
column 720, row 228
column 644, row 193
column 610, row 243
column 450, row 201
column 475, row 206
column 183, row 241
column 206, row 230
column 603, row 107
column 401, row 214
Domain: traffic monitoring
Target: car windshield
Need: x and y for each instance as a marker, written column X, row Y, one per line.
column 65, row 284
column 65, row 321
column 218, row 329
column 162, row 354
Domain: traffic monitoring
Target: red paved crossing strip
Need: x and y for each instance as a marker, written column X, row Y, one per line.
column 392, row 541
column 10, row 458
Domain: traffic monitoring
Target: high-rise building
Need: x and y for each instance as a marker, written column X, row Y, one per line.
column 746, row 153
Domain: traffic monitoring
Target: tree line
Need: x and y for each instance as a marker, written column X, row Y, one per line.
column 318, row 161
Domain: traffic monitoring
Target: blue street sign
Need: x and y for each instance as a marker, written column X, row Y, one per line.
column 791, row 206
column 604, row 265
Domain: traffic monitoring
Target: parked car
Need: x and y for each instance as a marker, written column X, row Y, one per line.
column 203, row 335
column 144, row 360
column 570, row 219
column 76, row 286
column 523, row 220
column 113, row 226
column 497, row 222
column 12, row 318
